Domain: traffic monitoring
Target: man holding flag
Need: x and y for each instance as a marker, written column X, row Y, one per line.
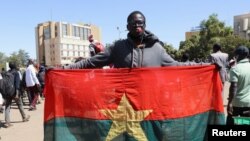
column 132, row 104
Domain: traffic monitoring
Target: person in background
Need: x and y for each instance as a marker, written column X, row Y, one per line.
column 3, row 70
column 1, row 97
column 185, row 59
column 32, row 84
column 41, row 77
column 16, row 97
column 220, row 59
column 24, row 89
column 1, row 100
column 239, row 91
column 95, row 47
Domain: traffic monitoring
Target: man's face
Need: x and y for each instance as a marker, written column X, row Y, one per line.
column 136, row 25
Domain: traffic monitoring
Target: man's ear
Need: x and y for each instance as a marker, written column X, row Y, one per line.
column 128, row 27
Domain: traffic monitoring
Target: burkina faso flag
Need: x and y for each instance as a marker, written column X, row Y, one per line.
column 146, row 104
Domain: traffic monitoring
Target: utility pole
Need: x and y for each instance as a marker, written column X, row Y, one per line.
column 120, row 31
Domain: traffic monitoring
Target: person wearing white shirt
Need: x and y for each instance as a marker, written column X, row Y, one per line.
column 32, row 84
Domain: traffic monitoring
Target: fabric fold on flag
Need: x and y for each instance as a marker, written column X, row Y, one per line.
column 169, row 103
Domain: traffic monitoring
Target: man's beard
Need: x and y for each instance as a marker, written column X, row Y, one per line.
column 136, row 38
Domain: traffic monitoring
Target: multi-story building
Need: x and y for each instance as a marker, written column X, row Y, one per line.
column 60, row 43
column 194, row 31
column 189, row 34
column 242, row 26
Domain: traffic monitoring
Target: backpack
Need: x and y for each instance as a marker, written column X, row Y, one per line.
column 7, row 88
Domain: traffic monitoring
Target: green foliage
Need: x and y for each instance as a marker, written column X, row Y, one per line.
column 230, row 42
column 190, row 46
column 20, row 58
column 212, row 31
column 170, row 50
column 3, row 59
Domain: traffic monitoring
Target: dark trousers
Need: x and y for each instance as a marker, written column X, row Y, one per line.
column 34, row 93
column 8, row 105
column 238, row 111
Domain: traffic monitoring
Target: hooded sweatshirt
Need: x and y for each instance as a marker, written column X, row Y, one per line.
column 125, row 54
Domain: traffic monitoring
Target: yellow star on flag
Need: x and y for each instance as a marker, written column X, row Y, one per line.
column 126, row 119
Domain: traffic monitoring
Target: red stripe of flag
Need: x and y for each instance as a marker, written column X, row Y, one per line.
column 170, row 92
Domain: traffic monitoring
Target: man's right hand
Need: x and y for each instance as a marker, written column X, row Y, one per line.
column 231, row 62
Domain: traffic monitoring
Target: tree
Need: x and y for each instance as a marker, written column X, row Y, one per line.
column 3, row 59
column 170, row 50
column 229, row 44
column 190, row 46
column 24, row 56
column 212, row 31
column 20, row 58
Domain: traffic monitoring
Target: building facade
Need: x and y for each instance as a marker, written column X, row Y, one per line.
column 242, row 26
column 188, row 35
column 195, row 31
column 60, row 43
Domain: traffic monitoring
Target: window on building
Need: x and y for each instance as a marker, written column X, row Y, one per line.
column 70, row 53
column 64, row 29
column 80, row 47
column 88, row 32
column 70, row 47
column 85, row 34
column 56, row 31
column 46, row 32
column 86, row 48
column 76, row 31
column 81, row 53
column 64, row 46
column 65, row 54
column 87, row 54
column 81, row 33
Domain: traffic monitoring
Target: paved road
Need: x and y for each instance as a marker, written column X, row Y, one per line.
column 24, row 131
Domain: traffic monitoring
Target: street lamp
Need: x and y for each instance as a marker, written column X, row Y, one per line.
column 120, row 31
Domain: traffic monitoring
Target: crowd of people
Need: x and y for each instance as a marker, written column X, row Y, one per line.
column 142, row 48
column 28, row 83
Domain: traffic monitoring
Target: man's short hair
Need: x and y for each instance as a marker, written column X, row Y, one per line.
column 217, row 47
column 130, row 16
column 185, row 56
column 30, row 61
column 12, row 65
column 241, row 51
